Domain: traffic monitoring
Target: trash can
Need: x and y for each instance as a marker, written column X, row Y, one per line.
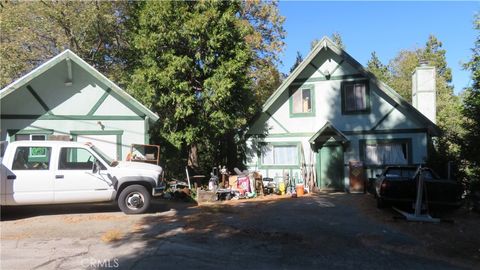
column 300, row 188
column 356, row 174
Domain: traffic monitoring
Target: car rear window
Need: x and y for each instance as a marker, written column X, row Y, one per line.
column 400, row 172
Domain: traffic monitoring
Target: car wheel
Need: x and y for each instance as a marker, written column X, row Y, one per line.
column 134, row 199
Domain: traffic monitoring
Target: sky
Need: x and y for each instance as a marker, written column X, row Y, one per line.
column 383, row 27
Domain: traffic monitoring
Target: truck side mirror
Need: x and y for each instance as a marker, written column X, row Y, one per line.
column 96, row 167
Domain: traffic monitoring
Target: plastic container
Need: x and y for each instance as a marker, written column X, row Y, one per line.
column 300, row 189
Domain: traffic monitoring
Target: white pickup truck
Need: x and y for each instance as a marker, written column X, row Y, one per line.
column 58, row 172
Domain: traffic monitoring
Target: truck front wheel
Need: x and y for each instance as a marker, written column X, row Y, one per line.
column 134, row 199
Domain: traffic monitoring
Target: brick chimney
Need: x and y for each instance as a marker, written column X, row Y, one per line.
column 424, row 93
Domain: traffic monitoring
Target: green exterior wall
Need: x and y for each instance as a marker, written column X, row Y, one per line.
column 47, row 104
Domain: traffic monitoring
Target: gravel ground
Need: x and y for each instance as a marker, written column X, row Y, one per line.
column 318, row 231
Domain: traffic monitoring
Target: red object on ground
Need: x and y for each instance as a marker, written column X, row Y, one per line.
column 244, row 183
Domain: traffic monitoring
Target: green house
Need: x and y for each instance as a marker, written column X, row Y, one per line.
column 330, row 112
column 67, row 99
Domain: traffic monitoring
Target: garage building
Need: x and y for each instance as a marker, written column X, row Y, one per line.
column 66, row 98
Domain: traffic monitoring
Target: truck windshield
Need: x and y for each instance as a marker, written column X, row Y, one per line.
column 110, row 161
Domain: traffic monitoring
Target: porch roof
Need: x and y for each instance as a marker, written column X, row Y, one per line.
column 326, row 133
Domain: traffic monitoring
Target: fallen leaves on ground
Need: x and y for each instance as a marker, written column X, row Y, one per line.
column 112, row 236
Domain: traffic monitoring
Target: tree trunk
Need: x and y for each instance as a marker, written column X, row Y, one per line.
column 193, row 156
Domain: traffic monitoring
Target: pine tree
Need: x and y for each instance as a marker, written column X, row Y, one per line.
column 298, row 60
column 194, row 70
column 449, row 118
column 471, row 111
column 336, row 38
column 376, row 67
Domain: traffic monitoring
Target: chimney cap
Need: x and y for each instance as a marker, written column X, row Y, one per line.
column 423, row 62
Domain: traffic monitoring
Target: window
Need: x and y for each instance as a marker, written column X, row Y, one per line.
column 32, row 158
column 302, row 101
column 34, row 152
column 30, row 137
column 280, row 155
column 386, row 153
column 75, row 159
column 3, row 147
column 355, row 97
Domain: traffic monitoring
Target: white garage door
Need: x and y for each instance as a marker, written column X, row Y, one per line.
column 106, row 143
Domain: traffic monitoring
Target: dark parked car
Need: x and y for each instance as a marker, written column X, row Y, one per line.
column 398, row 185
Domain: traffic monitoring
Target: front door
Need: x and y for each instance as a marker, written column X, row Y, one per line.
column 75, row 180
column 31, row 178
column 330, row 169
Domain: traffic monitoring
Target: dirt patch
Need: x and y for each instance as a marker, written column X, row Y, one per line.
column 137, row 228
column 458, row 239
column 18, row 236
column 112, row 236
column 90, row 217
column 270, row 236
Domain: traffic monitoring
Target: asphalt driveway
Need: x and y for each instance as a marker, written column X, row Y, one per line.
column 319, row 231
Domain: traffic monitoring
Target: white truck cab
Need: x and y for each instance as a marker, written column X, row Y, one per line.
column 57, row 172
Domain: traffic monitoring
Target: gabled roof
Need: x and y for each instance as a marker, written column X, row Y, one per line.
column 324, row 44
column 326, row 132
column 69, row 55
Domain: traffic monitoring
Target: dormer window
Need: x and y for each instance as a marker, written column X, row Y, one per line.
column 302, row 101
column 355, row 97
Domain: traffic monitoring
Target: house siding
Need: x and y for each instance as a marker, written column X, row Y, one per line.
column 386, row 119
column 352, row 153
column 86, row 106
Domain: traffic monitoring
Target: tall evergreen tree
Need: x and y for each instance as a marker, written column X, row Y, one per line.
column 298, row 60
column 194, row 71
column 471, row 110
column 336, row 38
column 449, row 117
column 376, row 67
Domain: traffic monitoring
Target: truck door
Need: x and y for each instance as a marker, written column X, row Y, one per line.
column 3, row 173
column 3, row 180
column 76, row 182
column 30, row 180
